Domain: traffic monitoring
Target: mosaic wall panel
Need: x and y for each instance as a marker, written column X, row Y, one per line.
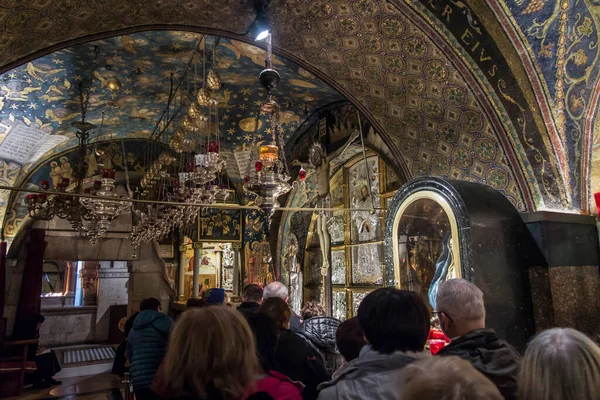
column 338, row 267
column 366, row 265
column 339, row 304
column 429, row 111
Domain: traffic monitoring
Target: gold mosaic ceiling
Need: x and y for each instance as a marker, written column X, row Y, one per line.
column 419, row 102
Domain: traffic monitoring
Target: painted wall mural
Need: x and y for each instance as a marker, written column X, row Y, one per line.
column 101, row 155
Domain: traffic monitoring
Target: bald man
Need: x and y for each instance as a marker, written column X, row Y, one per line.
column 278, row 289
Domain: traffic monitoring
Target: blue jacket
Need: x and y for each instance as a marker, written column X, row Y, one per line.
column 147, row 346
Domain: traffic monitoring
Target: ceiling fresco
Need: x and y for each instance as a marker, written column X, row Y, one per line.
column 44, row 94
column 368, row 49
column 45, row 91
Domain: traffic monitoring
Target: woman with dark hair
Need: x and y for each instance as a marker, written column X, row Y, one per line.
column 276, row 384
column 295, row 358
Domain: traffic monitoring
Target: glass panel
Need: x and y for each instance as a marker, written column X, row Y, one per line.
column 314, row 276
column 338, row 267
column 366, row 225
column 425, row 248
column 366, row 264
column 336, row 227
column 357, row 298
column 339, row 304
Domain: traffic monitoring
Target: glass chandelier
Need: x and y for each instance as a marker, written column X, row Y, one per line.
column 189, row 172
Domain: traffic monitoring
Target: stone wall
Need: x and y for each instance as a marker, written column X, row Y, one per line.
column 113, row 282
column 14, row 276
column 141, row 274
column 68, row 325
column 148, row 278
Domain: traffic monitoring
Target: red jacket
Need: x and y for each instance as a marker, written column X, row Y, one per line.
column 279, row 386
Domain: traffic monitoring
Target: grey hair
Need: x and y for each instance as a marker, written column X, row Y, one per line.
column 276, row 289
column 560, row 363
column 461, row 300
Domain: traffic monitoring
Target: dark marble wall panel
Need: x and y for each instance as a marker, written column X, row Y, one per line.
column 541, row 295
column 576, row 297
column 564, row 239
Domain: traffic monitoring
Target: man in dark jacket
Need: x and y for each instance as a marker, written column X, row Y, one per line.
column 251, row 298
column 395, row 324
column 147, row 346
column 461, row 312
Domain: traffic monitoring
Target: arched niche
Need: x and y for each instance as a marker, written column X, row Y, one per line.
column 489, row 243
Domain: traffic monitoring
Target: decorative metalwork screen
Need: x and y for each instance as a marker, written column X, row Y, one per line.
column 356, row 235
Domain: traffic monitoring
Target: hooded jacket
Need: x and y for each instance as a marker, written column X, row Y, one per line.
column 319, row 333
column 493, row 357
column 371, row 376
column 147, row 346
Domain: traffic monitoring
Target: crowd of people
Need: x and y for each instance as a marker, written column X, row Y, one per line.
column 263, row 350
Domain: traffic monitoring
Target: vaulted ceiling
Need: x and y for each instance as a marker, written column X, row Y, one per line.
column 464, row 90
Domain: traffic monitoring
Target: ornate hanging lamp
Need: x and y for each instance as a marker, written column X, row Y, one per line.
column 267, row 176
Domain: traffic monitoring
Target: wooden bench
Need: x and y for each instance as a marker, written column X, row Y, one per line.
column 13, row 363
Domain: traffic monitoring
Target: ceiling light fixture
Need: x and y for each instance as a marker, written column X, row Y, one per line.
column 263, row 35
column 260, row 27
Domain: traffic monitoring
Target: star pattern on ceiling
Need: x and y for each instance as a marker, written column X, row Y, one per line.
column 45, row 92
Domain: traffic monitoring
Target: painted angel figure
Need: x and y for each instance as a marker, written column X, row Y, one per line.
column 320, row 164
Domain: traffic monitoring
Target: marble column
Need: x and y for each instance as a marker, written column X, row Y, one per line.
column 197, row 259
column 181, row 273
column 236, row 268
column 89, row 282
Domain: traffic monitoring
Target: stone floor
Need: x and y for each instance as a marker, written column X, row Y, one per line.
column 104, row 386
